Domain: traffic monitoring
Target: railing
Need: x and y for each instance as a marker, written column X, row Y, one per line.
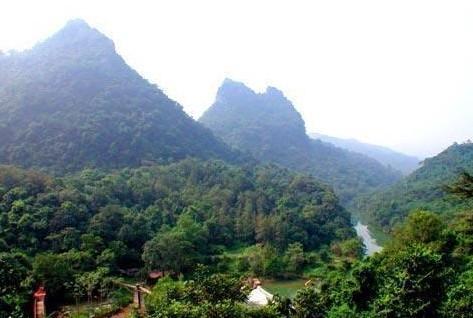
column 138, row 294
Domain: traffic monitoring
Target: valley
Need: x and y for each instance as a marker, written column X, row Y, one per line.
column 107, row 188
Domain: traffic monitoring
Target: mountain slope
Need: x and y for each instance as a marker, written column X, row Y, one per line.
column 253, row 122
column 390, row 158
column 72, row 102
column 423, row 189
column 268, row 127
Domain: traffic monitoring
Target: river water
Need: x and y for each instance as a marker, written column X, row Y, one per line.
column 369, row 242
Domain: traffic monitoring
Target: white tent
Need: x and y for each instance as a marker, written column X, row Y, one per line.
column 259, row 297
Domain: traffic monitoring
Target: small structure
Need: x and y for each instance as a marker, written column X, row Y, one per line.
column 259, row 297
column 156, row 275
column 138, row 295
column 39, row 309
column 129, row 271
column 138, row 298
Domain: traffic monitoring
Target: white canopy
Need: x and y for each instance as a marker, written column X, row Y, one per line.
column 259, row 297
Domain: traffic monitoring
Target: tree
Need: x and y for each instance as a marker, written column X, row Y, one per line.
column 459, row 300
column 463, row 186
column 420, row 227
column 91, row 282
column 107, row 222
column 169, row 251
column 412, row 283
column 309, row 303
column 15, row 284
column 294, row 258
column 58, row 271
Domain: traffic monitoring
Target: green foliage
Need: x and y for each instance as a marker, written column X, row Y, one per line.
column 350, row 249
column 207, row 295
column 105, row 214
column 427, row 188
column 96, row 280
column 263, row 261
column 294, row 258
column 309, row 303
column 58, row 272
column 463, row 187
column 413, row 283
column 415, row 276
column 420, row 274
column 421, row 227
column 269, row 128
column 15, row 284
column 177, row 249
column 81, row 229
column 459, row 302
column 72, row 102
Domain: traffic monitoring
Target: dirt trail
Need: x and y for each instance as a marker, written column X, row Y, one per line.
column 123, row 313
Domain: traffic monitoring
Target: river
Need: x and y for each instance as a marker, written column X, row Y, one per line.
column 369, row 242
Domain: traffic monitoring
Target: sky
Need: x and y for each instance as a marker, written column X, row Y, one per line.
column 393, row 73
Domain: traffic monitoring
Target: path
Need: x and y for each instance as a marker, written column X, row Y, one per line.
column 123, row 313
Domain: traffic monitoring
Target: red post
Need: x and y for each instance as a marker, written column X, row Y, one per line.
column 39, row 308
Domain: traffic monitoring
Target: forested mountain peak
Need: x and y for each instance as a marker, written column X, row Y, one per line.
column 233, row 89
column 252, row 121
column 273, row 91
column 72, row 102
column 236, row 97
column 268, row 126
column 77, row 34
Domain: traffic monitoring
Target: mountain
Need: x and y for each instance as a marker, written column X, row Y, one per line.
column 388, row 157
column 423, row 189
column 269, row 127
column 253, row 122
column 72, row 102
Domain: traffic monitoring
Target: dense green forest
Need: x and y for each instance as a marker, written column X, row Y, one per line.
column 388, row 157
column 72, row 102
column 104, row 180
column 166, row 218
column 426, row 271
column 77, row 234
column 423, row 189
column 269, row 127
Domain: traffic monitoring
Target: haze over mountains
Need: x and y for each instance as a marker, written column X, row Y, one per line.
column 121, row 182
column 72, row 102
column 269, row 127
column 121, row 191
column 386, row 156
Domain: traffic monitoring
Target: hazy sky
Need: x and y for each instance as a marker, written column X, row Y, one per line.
column 395, row 73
